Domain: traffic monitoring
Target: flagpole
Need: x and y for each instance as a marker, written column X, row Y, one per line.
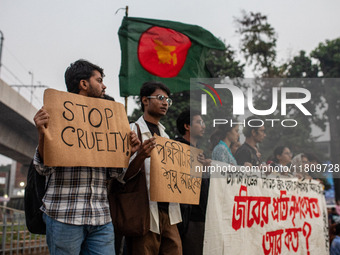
column 126, row 98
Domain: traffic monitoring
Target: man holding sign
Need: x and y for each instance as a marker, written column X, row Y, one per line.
column 163, row 237
column 75, row 205
column 191, row 126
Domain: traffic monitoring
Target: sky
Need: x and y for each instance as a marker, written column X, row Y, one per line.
column 41, row 38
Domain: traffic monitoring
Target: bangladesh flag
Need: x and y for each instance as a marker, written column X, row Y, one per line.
column 166, row 51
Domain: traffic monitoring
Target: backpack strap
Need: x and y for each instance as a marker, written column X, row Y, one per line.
column 140, row 139
column 139, row 133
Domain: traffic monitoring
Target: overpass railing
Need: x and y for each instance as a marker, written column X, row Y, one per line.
column 15, row 237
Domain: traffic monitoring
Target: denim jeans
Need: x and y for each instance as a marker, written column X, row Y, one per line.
column 69, row 239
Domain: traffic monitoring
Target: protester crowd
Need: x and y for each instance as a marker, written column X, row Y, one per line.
column 76, row 206
column 334, row 229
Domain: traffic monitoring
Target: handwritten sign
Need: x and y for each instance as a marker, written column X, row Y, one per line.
column 85, row 131
column 272, row 215
column 170, row 178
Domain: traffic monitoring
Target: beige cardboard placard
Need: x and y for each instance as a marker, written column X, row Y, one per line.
column 85, row 131
column 170, row 179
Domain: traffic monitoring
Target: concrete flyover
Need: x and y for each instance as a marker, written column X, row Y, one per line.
column 18, row 135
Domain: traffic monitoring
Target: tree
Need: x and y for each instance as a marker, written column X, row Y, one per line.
column 328, row 56
column 258, row 42
column 223, row 64
column 301, row 67
column 299, row 138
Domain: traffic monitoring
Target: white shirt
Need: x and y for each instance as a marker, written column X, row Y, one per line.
column 174, row 209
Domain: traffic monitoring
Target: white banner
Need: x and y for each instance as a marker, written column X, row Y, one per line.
column 247, row 214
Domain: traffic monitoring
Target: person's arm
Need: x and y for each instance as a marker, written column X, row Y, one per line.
column 143, row 153
column 134, row 142
column 39, row 165
column 41, row 119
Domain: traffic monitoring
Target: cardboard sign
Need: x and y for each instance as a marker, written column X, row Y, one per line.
column 85, row 131
column 272, row 215
column 170, row 178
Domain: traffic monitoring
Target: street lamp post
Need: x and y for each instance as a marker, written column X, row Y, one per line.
column 1, row 46
column 31, row 73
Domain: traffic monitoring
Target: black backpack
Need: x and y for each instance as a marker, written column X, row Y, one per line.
column 34, row 193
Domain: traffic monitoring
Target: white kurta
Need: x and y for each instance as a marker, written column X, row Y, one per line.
column 174, row 208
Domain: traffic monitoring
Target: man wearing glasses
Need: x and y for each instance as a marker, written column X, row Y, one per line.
column 163, row 237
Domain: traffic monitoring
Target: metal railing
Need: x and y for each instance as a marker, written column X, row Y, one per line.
column 15, row 237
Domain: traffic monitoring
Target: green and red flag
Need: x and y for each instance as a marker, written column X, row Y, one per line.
column 166, row 51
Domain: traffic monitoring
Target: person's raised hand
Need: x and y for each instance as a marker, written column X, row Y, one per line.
column 134, row 142
column 41, row 120
column 146, row 147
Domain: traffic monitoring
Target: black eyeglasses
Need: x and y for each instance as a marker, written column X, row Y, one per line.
column 162, row 98
column 200, row 122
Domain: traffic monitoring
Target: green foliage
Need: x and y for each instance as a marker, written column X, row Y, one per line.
column 223, row 64
column 301, row 67
column 258, row 42
column 328, row 55
column 299, row 138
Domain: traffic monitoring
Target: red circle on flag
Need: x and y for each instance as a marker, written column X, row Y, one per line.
column 163, row 51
